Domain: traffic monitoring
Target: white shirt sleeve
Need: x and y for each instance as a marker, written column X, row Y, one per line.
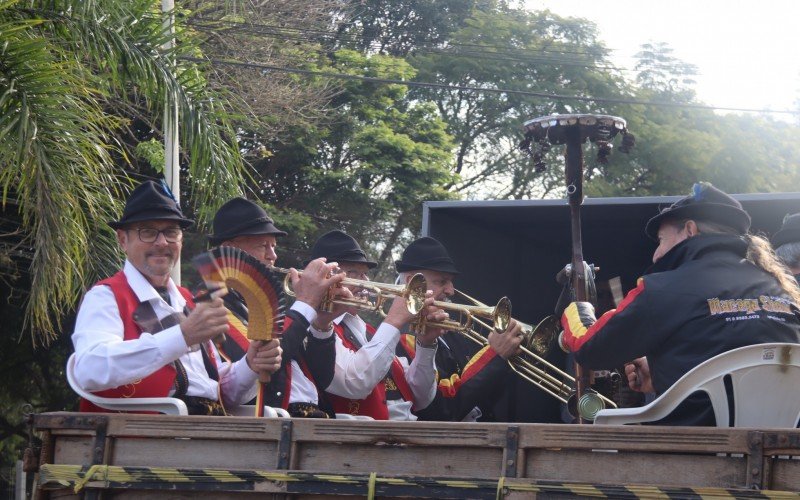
column 357, row 373
column 421, row 376
column 238, row 382
column 102, row 359
column 308, row 312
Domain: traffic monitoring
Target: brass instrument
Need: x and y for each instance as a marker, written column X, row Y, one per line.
column 532, row 367
column 377, row 293
column 467, row 316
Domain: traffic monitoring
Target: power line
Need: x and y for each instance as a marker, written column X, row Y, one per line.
column 279, row 29
column 497, row 52
column 444, row 86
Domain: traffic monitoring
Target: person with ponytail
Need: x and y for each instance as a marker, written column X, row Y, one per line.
column 786, row 242
column 712, row 287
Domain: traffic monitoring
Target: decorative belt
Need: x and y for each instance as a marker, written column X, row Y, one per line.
column 203, row 406
column 306, row 410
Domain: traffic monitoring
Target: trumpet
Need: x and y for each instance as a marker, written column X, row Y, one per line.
column 377, row 293
column 539, row 339
column 467, row 315
column 538, row 371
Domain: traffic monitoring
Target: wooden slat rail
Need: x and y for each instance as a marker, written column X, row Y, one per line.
column 528, row 455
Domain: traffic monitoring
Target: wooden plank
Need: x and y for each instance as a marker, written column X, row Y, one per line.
column 633, row 438
column 786, row 473
column 195, row 453
column 664, row 469
column 444, row 461
column 222, row 428
column 408, row 433
column 649, row 455
column 72, row 449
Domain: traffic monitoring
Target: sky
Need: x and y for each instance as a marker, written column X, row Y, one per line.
column 747, row 53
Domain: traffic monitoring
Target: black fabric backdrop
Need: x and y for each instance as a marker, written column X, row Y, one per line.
column 515, row 248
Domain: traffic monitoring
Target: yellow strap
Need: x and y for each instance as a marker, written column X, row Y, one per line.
column 88, row 476
column 501, row 484
column 371, row 486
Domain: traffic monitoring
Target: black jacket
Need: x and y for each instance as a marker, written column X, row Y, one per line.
column 468, row 376
column 700, row 299
column 296, row 343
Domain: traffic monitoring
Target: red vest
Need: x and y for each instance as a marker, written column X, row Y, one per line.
column 159, row 383
column 374, row 405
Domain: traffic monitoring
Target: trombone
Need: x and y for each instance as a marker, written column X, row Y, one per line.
column 467, row 315
column 531, row 366
column 377, row 293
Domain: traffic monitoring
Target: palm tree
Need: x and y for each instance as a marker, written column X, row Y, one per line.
column 72, row 72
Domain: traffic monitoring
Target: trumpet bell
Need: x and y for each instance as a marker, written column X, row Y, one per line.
column 501, row 317
column 415, row 293
column 540, row 340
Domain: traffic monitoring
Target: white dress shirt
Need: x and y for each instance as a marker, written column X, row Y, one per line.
column 103, row 360
column 356, row 373
column 303, row 389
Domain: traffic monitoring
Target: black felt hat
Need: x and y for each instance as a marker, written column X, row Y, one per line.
column 151, row 201
column 789, row 231
column 706, row 203
column 240, row 217
column 338, row 246
column 426, row 253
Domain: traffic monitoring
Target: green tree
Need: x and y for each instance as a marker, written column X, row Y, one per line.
column 507, row 48
column 81, row 83
column 679, row 144
column 400, row 27
column 72, row 73
column 370, row 165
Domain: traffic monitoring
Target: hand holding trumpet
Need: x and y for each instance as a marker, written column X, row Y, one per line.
column 313, row 284
column 399, row 315
column 508, row 343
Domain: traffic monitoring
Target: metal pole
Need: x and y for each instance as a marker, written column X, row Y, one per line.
column 574, row 177
column 171, row 163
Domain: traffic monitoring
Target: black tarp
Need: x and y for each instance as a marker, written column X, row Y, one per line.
column 515, row 249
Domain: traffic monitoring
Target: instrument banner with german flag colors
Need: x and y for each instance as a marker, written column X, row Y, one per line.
column 580, row 324
column 261, row 288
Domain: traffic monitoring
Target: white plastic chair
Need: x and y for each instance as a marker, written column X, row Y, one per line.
column 250, row 411
column 169, row 406
column 765, row 378
column 347, row 416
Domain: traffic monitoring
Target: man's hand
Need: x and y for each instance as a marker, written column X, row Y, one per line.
column 207, row 320
column 638, row 373
column 433, row 315
column 317, row 278
column 323, row 320
column 399, row 315
column 264, row 358
column 507, row 344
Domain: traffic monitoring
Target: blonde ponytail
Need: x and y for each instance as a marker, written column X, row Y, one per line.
column 760, row 253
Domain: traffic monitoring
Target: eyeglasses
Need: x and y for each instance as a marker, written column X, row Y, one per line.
column 150, row 235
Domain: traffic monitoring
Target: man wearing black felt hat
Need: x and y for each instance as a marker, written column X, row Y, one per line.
column 470, row 378
column 369, row 379
column 712, row 288
column 787, row 243
column 138, row 334
column 307, row 360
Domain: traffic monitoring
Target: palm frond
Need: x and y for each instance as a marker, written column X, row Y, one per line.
column 127, row 44
column 54, row 159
